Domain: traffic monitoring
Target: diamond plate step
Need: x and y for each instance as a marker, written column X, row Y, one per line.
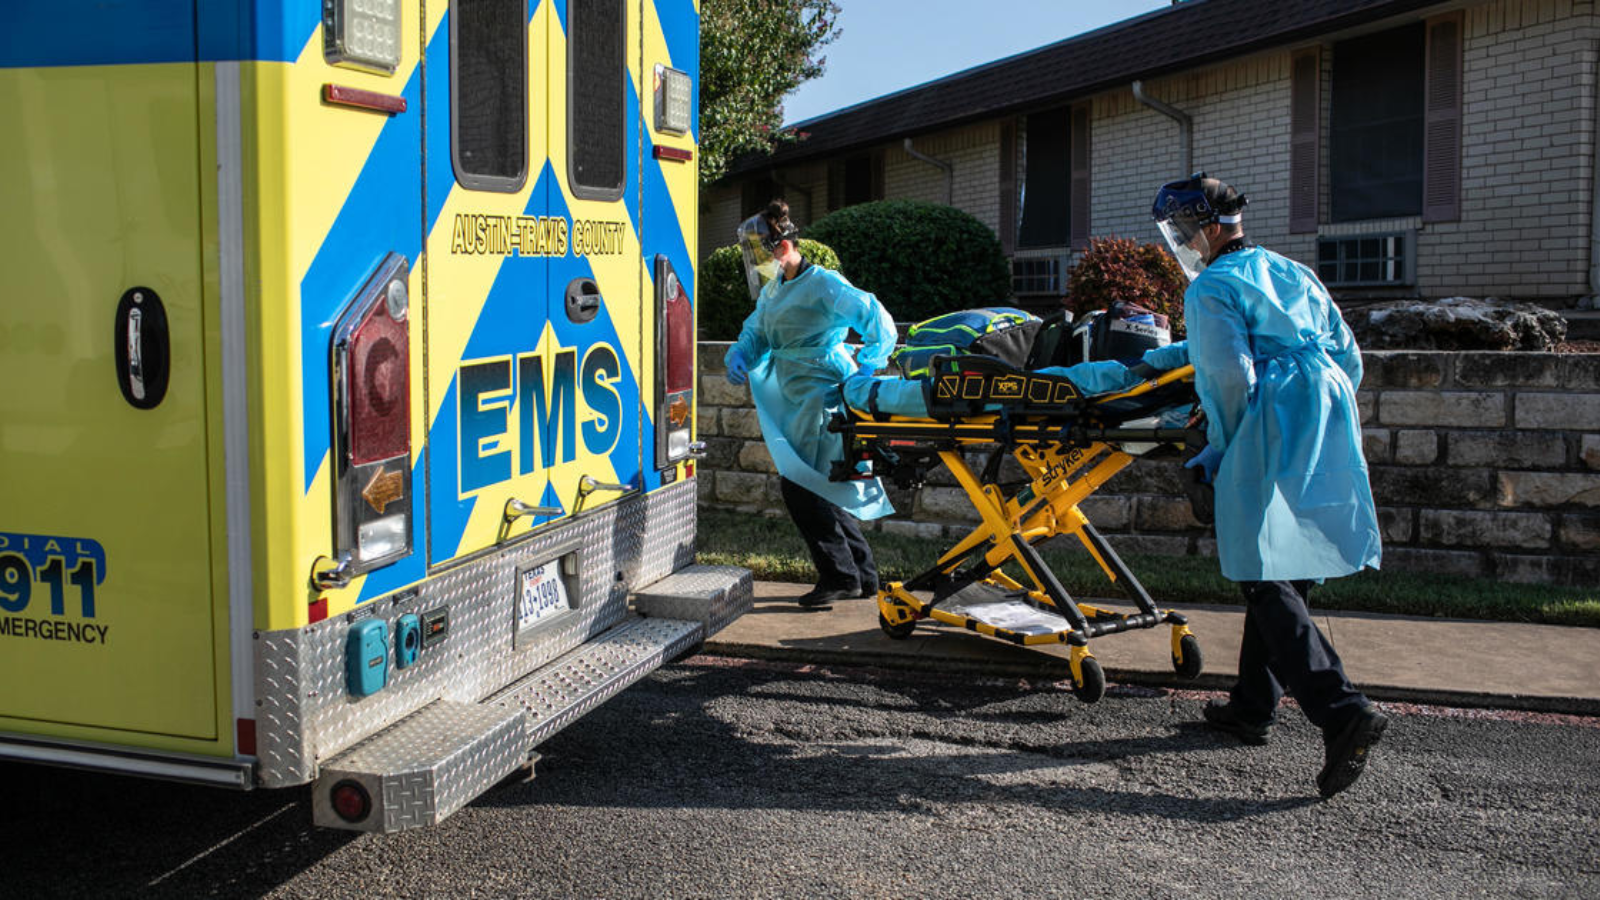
column 559, row 693
column 435, row 761
column 424, row 767
column 714, row 595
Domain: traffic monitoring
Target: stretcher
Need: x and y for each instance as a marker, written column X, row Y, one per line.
column 1068, row 445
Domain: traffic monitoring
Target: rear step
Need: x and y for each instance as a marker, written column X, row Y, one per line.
column 435, row 761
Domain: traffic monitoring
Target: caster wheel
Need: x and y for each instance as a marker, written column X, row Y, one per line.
column 898, row 632
column 1093, row 686
column 1189, row 667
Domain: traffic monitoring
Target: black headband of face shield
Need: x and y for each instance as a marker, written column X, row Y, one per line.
column 778, row 232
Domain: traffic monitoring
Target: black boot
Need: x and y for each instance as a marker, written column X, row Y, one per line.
column 1349, row 745
column 1225, row 717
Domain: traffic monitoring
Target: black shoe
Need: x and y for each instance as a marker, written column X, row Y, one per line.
column 1224, row 717
column 821, row 597
column 868, row 591
column 1348, row 749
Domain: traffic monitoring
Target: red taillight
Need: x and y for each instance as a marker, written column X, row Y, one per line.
column 350, row 801
column 680, row 339
column 379, row 387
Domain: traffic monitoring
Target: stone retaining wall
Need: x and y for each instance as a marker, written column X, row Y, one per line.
column 1483, row 465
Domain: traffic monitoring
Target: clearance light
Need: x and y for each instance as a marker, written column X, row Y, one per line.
column 362, row 34
column 351, row 801
column 672, row 100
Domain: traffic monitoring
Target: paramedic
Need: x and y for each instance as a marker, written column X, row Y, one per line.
column 1276, row 370
column 793, row 354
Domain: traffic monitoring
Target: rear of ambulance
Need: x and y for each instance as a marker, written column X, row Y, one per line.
column 357, row 439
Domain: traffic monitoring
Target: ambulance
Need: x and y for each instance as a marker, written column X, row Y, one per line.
column 347, row 407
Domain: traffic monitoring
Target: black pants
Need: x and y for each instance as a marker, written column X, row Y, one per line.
column 1284, row 650
column 838, row 550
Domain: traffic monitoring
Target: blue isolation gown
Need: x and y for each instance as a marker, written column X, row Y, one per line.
column 1276, row 369
column 794, row 345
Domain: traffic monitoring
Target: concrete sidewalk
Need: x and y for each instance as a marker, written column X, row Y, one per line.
column 1456, row 662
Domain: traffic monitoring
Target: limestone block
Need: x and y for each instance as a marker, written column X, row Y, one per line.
column 742, row 487
column 1580, row 371
column 741, row 423
column 1459, row 528
column 926, row 531
column 1402, row 369
column 1416, row 448
column 1453, row 409
column 716, row 391
column 1549, row 489
column 709, row 355
column 1590, row 451
column 1522, row 569
column 1432, row 486
column 1508, row 449
column 1108, row 513
column 753, row 457
column 721, row 453
column 1149, row 545
column 1565, row 411
column 1164, row 514
column 1494, row 370
column 945, row 504
column 1367, row 403
column 1206, row 547
column 1375, row 444
column 1579, row 532
column 708, row 422
column 1146, row 477
column 1397, row 525
column 1434, row 562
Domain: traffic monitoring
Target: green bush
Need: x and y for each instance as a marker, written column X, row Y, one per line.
column 921, row 259
column 1116, row 268
column 725, row 298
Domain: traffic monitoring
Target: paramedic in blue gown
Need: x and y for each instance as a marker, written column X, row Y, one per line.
column 793, row 354
column 1276, row 369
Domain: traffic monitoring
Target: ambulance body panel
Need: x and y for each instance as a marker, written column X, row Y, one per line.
column 339, row 390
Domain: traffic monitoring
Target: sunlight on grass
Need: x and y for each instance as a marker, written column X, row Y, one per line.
column 772, row 549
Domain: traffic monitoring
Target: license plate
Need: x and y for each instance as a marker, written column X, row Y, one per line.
column 541, row 595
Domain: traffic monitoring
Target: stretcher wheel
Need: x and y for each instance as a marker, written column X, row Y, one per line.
column 1093, row 685
column 898, row 632
column 1190, row 664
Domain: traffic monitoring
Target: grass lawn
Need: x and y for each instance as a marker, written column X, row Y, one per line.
column 772, row 549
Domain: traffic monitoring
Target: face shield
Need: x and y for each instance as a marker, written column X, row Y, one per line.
column 1188, row 245
column 756, row 245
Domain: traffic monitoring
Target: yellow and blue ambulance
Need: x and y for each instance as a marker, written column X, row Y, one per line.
column 346, row 386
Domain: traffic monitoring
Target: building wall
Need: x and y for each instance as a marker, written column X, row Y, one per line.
column 1482, row 465
column 1529, row 119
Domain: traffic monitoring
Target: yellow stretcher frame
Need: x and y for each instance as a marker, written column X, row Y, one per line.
column 1068, row 449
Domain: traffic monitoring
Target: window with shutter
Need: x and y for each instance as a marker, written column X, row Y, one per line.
column 1441, row 168
column 1305, row 138
column 1375, row 141
column 1047, row 175
column 1080, row 176
column 1008, row 188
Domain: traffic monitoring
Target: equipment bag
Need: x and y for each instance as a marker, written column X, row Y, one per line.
column 997, row 331
column 1123, row 333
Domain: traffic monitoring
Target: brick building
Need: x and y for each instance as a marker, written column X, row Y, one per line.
column 1400, row 147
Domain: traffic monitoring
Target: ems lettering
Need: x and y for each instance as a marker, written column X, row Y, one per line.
column 543, row 390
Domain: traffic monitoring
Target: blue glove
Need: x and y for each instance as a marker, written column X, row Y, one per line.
column 865, row 368
column 1169, row 357
column 738, row 369
column 1207, row 460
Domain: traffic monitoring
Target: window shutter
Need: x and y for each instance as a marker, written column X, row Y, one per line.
column 1008, row 188
column 1080, row 176
column 1305, row 138
column 835, row 184
column 1441, row 143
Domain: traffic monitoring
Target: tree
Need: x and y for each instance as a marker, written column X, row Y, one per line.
column 752, row 54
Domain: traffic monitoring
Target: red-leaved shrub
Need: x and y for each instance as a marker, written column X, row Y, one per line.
column 1116, row 268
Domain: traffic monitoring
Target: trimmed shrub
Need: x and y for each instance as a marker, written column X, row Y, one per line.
column 725, row 298
column 920, row 259
column 1116, row 268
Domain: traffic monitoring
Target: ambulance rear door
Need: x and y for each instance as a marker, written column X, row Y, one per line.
column 533, row 271
column 106, row 582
